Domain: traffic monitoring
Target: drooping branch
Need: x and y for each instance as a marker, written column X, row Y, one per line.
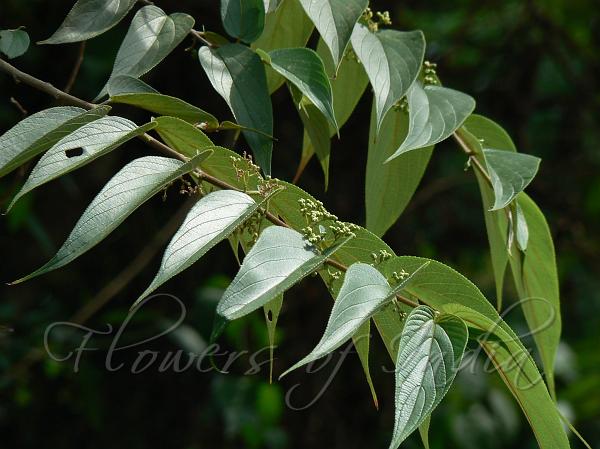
column 49, row 89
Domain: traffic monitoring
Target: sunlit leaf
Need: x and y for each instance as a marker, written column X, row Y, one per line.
column 211, row 220
column 335, row 20
column 243, row 19
column 38, row 132
column 88, row 19
column 280, row 258
column 238, row 75
column 364, row 291
column 272, row 309
column 431, row 349
column 125, row 192
column 392, row 60
column 435, row 112
column 81, row 147
column 152, row 35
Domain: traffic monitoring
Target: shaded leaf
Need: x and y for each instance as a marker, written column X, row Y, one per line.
column 88, row 19
column 238, row 75
column 38, row 132
column 152, row 35
column 392, row 60
column 364, row 291
column 478, row 130
column 125, row 192
column 166, row 105
column 435, row 112
column 81, row 147
column 211, row 220
column 347, row 87
column 127, row 84
column 537, row 283
column 13, row 43
column 335, row 20
column 287, row 26
column 431, row 349
column 304, row 68
column 522, row 231
column 390, row 187
column 243, row 19
column 280, row 258
column 510, row 173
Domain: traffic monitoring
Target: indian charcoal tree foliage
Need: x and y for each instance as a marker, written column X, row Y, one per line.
column 424, row 311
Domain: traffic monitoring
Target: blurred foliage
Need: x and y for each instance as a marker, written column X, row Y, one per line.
column 532, row 66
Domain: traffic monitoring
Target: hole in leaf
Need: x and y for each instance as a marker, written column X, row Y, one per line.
column 270, row 315
column 74, row 152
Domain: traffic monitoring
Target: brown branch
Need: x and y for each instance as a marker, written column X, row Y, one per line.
column 472, row 157
column 76, row 68
column 19, row 106
column 151, row 141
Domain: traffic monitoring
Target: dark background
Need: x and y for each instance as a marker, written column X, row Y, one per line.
column 532, row 66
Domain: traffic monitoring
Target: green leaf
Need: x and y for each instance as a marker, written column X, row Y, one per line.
column 478, row 130
column 137, row 182
column 211, row 220
column 390, row 187
column 538, row 287
column 280, row 259
column 335, row 20
column 521, row 228
column 166, row 105
column 182, row 136
column 444, row 289
column 40, row 131
column 152, row 35
column 81, row 147
column 424, row 431
column 435, row 112
column 13, row 43
column 347, row 87
column 304, row 68
column 238, row 75
column 243, row 19
column 88, row 19
column 316, row 129
column 392, row 60
column 364, row 291
column 127, row 84
column 272, row 309
column 431, row 349
column 287, row 26
column 510, row 173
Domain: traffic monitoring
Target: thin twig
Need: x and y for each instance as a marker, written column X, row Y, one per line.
column 76, row 67
column 200, row 36
column 472, row 157
column 18, row 105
